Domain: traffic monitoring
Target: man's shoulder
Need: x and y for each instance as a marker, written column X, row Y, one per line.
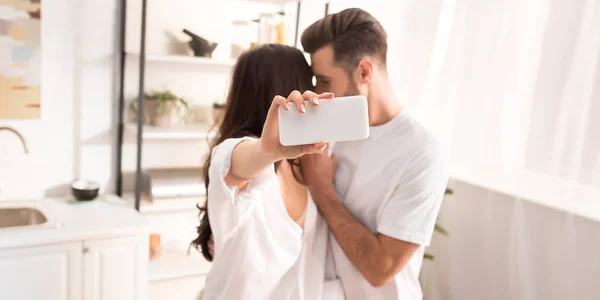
column 410, row 140
column 425, row 154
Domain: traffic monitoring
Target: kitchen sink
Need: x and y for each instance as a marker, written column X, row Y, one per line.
column 21, row 216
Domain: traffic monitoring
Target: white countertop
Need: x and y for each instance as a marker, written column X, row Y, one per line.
column 68, row 220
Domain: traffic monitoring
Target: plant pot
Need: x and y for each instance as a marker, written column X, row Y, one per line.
column 166, row 116
column 165, row 111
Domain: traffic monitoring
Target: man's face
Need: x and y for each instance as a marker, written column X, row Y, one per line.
column 331, row 78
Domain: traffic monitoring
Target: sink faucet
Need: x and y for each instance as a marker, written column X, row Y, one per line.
column 19, row 135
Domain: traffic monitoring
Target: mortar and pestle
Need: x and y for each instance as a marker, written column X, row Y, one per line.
column 200, row 46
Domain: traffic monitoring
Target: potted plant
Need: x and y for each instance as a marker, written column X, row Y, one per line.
column 163, row 109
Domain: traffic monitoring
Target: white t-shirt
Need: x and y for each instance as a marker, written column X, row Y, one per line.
column 393, row 183
column 260, row 252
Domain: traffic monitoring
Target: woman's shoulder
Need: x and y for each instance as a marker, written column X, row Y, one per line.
column 221, row 160
column 229, row 144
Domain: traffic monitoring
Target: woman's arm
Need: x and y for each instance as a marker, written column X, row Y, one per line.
column 249, row 158
column 247, row 161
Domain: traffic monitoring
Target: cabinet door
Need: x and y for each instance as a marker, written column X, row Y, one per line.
column 184, row 288
column 116, row 269
column 43, row 272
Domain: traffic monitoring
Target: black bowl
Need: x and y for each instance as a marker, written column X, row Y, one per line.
column 84, row 190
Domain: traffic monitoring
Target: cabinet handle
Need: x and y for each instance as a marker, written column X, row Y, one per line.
column 86, row 250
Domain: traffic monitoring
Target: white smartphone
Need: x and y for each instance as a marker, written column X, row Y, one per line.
column 336, row 120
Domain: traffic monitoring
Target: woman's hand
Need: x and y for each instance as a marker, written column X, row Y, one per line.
column 269, row 140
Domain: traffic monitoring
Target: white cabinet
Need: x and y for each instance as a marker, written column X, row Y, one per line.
column 116, row 269
column 108, row 269
column 44, row 272
column 181, row 288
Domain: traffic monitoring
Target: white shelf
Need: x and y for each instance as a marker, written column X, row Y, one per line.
column 173, row 264
column 166, row 205
column 186, row 132
column 186, row 60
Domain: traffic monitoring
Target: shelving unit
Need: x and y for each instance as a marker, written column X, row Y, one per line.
column 143, row 132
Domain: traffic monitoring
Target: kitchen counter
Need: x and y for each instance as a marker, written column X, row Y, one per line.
column 68, row 220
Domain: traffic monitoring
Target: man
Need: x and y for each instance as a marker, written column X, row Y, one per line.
column 382, row 203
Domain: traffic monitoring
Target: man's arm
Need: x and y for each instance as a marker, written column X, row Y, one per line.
column 378, row 257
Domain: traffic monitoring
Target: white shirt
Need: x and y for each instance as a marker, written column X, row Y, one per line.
column 393, row 183
column 260, row 252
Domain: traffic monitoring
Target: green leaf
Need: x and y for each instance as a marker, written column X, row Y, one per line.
column 428, row 256
column 441, row 230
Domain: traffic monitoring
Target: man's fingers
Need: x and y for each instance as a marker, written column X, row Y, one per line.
column 296, row 97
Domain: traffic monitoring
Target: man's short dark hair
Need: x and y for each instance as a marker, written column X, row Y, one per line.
column 353, row 34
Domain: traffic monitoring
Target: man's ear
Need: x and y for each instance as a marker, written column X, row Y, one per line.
column 365, row 70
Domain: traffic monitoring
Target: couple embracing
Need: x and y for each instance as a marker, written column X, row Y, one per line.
column 297, row 223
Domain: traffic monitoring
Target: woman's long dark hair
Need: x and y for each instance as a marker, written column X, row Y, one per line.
column 258, row 76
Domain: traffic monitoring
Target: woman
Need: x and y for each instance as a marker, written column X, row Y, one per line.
column 269, row 241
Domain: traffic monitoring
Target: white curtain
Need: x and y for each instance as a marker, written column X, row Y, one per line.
column 509, row 86
column 512, row 90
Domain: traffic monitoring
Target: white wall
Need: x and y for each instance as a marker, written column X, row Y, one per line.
column 78, row 95
column 97, row 65
column 502, row 247
column 50, row 139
